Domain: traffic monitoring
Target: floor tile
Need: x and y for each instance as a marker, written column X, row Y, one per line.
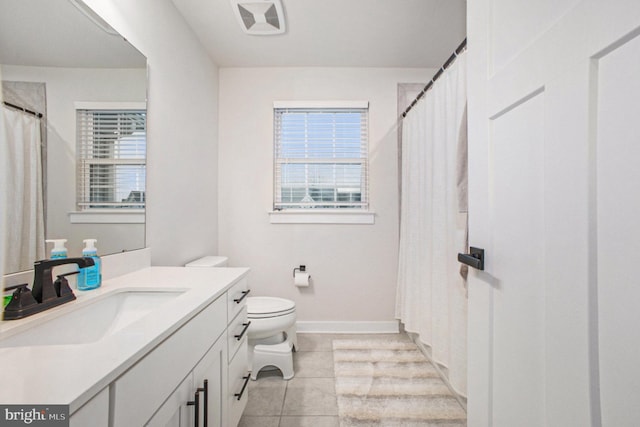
column 313, row 421
column 313, row 364
column 324, row 342
column 248, row 421
column 266, row 396
column 310, row 396
column 314, row 342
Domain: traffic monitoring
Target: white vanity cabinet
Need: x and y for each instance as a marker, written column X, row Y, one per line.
column 160, row 390
column 149, row 355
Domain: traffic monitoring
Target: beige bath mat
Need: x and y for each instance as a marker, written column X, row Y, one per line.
column 391, row 384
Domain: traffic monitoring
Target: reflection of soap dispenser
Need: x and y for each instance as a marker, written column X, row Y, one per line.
column 90, row 277
column 58, row 250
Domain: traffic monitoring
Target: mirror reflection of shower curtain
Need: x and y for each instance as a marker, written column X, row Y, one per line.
column 24, row 240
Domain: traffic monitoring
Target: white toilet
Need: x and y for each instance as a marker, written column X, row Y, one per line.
column 272, row 332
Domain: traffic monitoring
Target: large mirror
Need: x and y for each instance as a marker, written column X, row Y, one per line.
column 57, row 59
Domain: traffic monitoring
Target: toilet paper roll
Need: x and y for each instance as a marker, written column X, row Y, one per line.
column 301, row 280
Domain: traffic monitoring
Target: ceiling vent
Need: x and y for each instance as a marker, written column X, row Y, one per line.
column 259, row 17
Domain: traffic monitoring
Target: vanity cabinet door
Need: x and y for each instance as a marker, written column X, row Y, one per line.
column 175, row 412
column 179, row 411
column 213, row 369
column 93, row 413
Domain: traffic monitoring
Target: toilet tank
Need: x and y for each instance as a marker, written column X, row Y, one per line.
column 208, row 261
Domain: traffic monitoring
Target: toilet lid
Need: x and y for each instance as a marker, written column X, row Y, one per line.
column 269, row 306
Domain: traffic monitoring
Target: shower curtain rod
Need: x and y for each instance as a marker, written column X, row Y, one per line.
column 437, row 75
column 34, row 113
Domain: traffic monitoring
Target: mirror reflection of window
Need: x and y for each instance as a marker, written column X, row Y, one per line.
column 111, row 158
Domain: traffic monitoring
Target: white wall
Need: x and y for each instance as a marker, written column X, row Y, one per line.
column 353, row 267
column 65, row 86
column 182, row 128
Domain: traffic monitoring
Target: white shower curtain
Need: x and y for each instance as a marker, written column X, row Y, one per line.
column 431, row 294
column 24, row 241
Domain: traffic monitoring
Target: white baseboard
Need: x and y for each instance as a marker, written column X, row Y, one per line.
column 340, row 327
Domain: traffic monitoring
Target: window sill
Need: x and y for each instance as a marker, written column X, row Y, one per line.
column 108, row 216
column 307, row 216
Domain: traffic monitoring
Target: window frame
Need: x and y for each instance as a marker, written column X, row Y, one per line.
column 322, row 214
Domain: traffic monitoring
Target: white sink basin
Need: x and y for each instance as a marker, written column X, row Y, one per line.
column 89, row 322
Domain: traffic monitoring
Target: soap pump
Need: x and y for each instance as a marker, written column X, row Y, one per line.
column 90, row 277
column 58, row 250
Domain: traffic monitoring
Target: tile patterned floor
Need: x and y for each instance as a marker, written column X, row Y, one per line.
column 309, row 398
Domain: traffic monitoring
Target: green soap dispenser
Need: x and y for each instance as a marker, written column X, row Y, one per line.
column 90, row 277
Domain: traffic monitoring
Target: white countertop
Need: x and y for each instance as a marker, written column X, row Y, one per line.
column 72, row 374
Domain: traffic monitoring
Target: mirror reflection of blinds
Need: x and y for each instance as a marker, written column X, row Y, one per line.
column 321, row 158
column 111, row 158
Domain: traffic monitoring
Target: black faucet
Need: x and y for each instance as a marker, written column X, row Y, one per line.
column 45, row 293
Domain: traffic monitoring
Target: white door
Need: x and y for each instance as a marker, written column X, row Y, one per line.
column 554, row 181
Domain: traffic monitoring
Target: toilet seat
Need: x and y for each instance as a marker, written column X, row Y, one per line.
column 268, row 307
column 270, row 315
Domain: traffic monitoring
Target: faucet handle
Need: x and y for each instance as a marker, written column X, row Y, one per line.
column 61, row 285
column 21, row 301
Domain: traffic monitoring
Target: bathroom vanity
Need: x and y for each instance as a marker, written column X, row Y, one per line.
column 137, row 351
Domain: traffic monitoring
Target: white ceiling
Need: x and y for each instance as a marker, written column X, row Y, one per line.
column 334, row 33
column 324, row 33
column 55, row 33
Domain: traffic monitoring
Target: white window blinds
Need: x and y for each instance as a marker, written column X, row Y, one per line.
column 111, row 158
column 321, row 158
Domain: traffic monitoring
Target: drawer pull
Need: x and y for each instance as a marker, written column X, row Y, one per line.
column 244, row 294
column 205, row 412
column 246, row 381
column 196, row 404
column 241, row 334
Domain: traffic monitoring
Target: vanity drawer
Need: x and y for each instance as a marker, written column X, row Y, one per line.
column 140, row 391
column 237, row 333
column 238, row 379
column 236, row 298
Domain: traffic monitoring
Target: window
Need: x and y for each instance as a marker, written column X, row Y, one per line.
column 321, row 157
column 111, row 158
